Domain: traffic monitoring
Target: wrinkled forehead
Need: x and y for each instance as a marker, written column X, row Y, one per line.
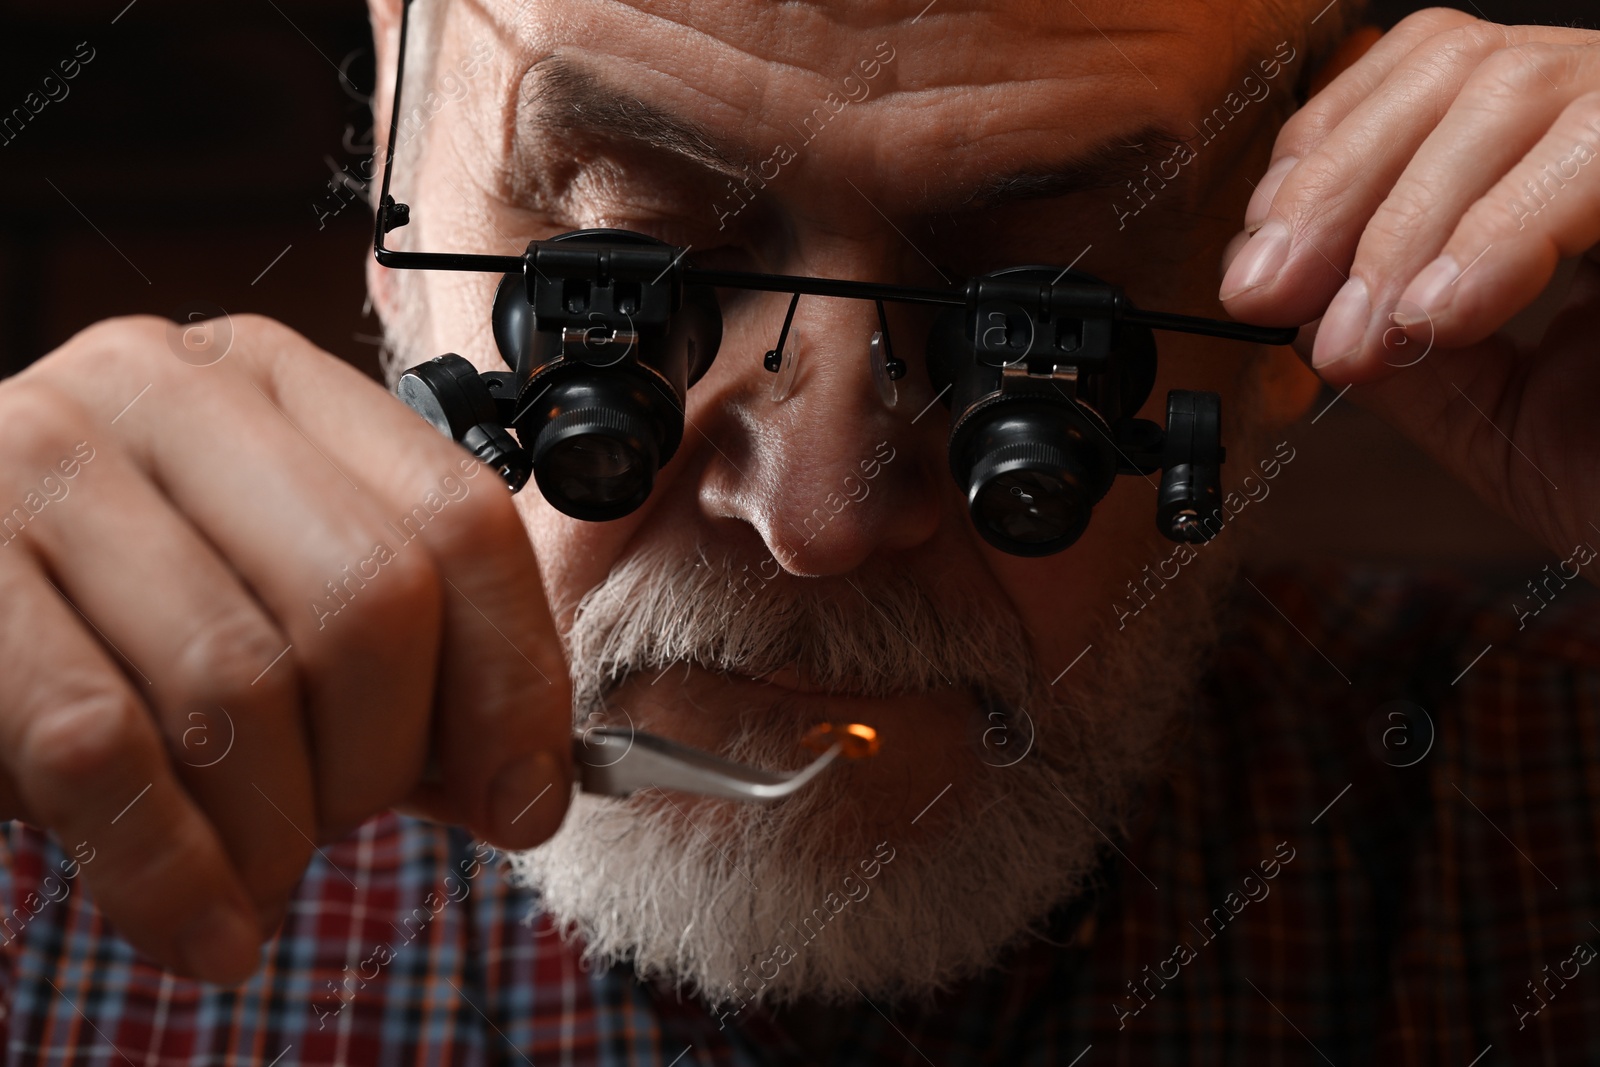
column 952, row 82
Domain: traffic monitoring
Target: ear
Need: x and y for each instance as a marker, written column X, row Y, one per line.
column 385, row 15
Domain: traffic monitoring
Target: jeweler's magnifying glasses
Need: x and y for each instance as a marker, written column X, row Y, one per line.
column 603, row 333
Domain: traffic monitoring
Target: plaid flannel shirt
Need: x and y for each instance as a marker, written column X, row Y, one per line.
column 1287, row 893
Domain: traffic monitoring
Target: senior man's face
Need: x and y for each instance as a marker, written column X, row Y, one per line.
column 811, row 560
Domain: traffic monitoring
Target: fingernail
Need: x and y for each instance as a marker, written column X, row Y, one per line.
column 220, row 946
column 1344, row 326
column 1260, row 205
column 514, row 794
column 1260, row 261
column 1432, row 290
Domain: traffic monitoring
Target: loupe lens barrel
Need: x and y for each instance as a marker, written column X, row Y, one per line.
column 1030, row 481
column 596, row 454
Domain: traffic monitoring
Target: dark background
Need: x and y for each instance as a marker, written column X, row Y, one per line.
column 193, row 155
column 190, row 152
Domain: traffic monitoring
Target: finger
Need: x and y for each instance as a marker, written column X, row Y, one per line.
column 1306, row 339
column 503, row 725
column 1505, row 250
column 305, row 534
column 1302, row 255
column 1231, row 251
column 91, row 766
column 1310, row 126
column 503, row 714
column 1471, row 414
column 1503, row 111
column 1503, row 424
column 196, row 638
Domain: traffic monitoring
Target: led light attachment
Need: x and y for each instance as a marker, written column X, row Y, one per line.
column 602, row 350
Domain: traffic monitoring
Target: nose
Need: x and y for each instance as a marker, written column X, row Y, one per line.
column 830, row 475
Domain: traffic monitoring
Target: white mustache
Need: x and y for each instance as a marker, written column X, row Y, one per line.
column 881, row 632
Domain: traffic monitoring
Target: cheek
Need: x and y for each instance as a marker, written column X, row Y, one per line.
column 457, row 316
column 573, row 556
column 1066, row 600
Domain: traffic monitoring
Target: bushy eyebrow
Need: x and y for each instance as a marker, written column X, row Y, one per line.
column 566, row 96
column 569, row 97
column 1109, row 163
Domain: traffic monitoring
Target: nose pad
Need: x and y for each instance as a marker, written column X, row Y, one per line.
column 788, row 366
column 784, row 360
column 886, row 369
column 783, row 363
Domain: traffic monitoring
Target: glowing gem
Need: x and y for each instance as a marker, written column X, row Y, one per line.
column 855, row 741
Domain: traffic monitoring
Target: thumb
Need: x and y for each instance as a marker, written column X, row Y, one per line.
column 1458, row 407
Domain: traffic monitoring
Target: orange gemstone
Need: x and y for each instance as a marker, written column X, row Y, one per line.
column 855, row 740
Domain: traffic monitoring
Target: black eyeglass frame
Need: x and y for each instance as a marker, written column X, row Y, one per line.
column 392, row 215
column 1002, row 440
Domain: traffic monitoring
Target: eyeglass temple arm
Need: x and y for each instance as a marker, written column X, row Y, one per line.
column 392, row 215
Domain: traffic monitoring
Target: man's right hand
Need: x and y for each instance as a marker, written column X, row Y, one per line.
column 241, row 603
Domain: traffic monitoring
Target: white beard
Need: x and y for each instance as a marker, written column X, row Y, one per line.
column 724, row 914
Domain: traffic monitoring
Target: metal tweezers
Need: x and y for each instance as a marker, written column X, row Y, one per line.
column 618, row 763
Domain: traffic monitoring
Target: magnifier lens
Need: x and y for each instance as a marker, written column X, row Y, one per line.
column 1028, row 506
column 1031, row 478
column 596, row 457
column 595, row 470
